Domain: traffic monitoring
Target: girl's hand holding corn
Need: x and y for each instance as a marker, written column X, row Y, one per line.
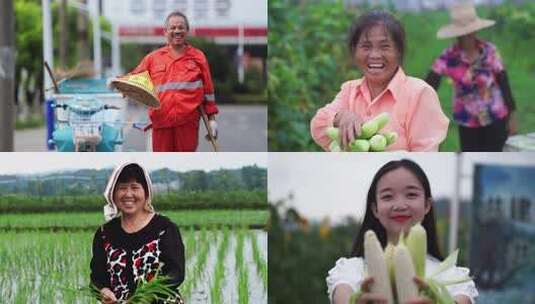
column 367, row 296
column 420, row 300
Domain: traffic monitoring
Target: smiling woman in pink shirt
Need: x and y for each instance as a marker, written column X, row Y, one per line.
column 377, row 44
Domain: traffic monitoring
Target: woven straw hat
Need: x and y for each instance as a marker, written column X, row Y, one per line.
column 464, row 20
column 138, row 87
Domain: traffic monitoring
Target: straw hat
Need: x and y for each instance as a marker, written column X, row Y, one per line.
column 138, row 87
column 464, row 20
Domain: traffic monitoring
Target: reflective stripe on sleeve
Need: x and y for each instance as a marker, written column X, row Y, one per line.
column 209, row 97
column 180, row 86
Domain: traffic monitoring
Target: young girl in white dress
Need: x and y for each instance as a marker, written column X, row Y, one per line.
column 398, row 198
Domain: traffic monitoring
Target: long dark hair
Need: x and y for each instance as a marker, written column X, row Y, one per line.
column 371, row 222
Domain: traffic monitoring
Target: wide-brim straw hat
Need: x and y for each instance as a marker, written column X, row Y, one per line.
column 138, row 87
column 464, row 20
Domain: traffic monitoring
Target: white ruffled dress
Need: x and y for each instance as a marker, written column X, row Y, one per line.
column 351, row 271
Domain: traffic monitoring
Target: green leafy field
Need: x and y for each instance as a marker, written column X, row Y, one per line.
column 90, row 221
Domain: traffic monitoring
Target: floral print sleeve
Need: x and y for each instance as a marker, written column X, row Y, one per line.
column 477, row 100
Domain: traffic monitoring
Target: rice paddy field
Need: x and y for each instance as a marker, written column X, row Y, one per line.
column 45, row 257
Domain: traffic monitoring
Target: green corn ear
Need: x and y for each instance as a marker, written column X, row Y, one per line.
column 377, row 143
column 333, row 133
column 437, row 293
column 389, row 260
column 368, row 129
column 359, row 145
column 382, row 119
column 417, row 244
column 391, row 137
column 334, row 147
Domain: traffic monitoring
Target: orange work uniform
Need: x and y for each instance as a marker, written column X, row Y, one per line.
column 182, row 83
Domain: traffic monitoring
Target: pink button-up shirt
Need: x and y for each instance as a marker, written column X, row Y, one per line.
column 413, row 106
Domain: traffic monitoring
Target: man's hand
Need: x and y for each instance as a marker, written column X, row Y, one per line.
column 112, row 87
column 213, row 125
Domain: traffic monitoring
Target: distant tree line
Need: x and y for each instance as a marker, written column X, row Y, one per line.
column 89, row 181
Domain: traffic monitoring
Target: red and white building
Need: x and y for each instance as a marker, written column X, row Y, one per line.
column 223, row 21
column 237, row 24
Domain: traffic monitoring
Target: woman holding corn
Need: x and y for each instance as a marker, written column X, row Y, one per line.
column 377, row 45
column 399, row 197
column 136, row 244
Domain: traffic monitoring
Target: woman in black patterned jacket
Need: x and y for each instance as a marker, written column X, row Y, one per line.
column 136, row 243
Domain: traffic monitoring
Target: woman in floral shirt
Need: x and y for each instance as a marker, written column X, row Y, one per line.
column 483, row 105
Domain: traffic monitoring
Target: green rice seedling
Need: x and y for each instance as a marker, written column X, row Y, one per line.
column 219, row 274
column 261, row 265
column 92, row 220
column 243, row 277
column 190, row 244
column 156, row 289
column 197, row 271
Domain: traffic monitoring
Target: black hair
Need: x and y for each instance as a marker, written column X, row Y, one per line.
column 133, row 172
column 176, row 14
column 370, row 222
column 363, row 23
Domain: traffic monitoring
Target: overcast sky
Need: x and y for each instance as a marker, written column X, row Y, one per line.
column 24, row 163
column 336, row 184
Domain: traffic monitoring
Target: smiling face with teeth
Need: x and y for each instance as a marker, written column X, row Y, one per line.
column 377, row 56
column 176, row 31
column 130, row 197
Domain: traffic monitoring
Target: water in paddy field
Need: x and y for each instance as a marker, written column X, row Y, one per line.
column 257, row 292
column 40, row 267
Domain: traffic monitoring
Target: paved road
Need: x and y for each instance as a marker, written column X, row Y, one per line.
column 242, row 129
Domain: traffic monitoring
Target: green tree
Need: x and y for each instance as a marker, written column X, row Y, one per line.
column 308, row 61
column 29, row 47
